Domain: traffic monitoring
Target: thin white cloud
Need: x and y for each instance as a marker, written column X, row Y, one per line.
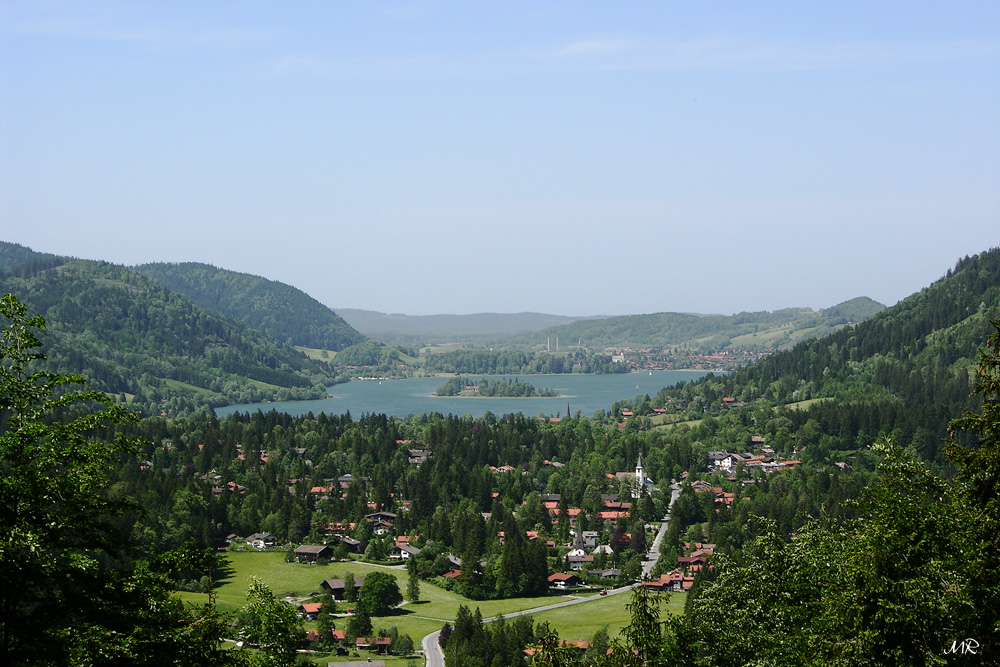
column 637, row 54
column 595, row 46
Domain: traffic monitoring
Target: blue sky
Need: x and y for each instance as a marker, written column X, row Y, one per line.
column 458, row 157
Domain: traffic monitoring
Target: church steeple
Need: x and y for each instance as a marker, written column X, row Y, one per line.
column 640, row 479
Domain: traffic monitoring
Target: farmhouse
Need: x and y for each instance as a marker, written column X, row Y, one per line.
column 310, row 610
column 563, row 580
column 403, row 552
column 262, row 540
column 310, row 553
column 335, row 587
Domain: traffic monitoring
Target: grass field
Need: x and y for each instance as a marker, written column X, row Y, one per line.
column 663, row 423
column 802, row 405
column 435, row 607
column 580, row 622
column 761, row 339
column 317, row 354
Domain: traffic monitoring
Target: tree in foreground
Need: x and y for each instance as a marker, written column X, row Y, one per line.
column 978, row 459
column 70, row 589
column 647, row 641
column 271, row 625
column 914, row 580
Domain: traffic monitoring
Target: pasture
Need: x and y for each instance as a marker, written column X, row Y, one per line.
column 417, row 619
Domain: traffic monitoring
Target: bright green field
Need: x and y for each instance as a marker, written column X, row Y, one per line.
column 580, row 622
column 436, row 606
column 802, row 405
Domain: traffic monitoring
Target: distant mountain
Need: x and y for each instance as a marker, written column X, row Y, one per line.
column 279, row 310
column 398, row 328
column 748, row 331
column 134, row 339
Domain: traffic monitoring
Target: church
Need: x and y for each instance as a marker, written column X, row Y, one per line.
column 641, row 485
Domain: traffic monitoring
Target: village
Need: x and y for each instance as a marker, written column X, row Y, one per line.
column 593, row 560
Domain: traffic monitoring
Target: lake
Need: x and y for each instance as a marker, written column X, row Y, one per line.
column 413, row 396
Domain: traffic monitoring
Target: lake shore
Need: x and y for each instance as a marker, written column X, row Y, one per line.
column 585, row 394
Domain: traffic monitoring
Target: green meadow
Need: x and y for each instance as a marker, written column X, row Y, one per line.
column 417, row 619
column 580, row 622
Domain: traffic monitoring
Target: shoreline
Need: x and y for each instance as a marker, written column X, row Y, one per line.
column 505, row 398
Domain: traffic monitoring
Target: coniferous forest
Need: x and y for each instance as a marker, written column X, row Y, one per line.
column 842, row 496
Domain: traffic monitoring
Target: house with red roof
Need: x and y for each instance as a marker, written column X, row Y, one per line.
column 563, row 580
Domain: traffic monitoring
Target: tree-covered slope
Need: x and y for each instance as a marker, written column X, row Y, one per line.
column 915, row 350
column 905, row 371
column 129, row 336
column 279, row 310
column 748, row 331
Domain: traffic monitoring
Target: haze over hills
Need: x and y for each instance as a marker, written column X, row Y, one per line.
column 477, row 328
column 748, row 331
column 225, row 337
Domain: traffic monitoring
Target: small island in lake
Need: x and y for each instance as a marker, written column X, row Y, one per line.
column 459, row 386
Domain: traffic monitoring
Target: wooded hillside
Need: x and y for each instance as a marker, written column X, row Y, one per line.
column 150, row 346
column 281, row 311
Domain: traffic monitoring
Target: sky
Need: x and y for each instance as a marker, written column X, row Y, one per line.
column 563, row 157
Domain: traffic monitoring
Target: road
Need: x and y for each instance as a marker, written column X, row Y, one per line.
column 649, row 562
column 434, row 657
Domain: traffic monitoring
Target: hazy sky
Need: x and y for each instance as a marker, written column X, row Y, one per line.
column 563, row 157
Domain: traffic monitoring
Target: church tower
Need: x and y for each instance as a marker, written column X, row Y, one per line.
column 640, row 479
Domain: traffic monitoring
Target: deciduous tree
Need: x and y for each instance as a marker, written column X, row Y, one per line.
column 271, row 624
column 379, row 594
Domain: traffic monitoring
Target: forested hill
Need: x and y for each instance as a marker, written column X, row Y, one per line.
column 707, row 333
column 911, row 351
column 17, row 259
column 279, row 310
column 149, row 345
column 907, row 370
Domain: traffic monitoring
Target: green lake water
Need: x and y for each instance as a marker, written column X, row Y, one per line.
column 414, row 396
